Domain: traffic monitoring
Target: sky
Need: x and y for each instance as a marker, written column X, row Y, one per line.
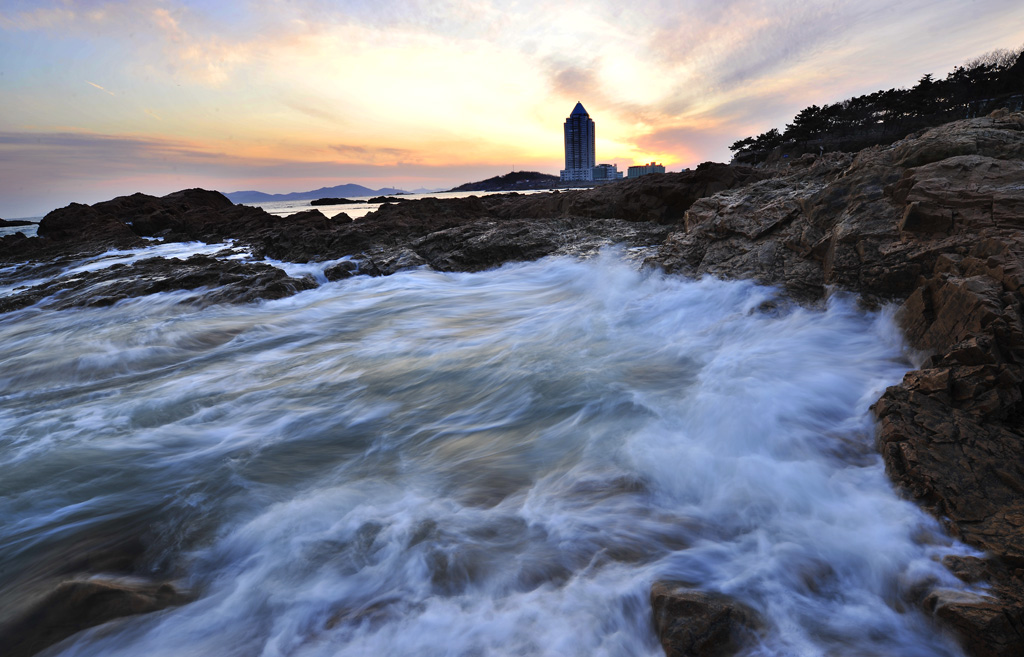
column 102, row 98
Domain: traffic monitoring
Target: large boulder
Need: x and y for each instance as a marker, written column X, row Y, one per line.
column 77, row 604
column 692, row 623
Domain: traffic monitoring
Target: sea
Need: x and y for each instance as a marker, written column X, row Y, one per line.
column 467, row 464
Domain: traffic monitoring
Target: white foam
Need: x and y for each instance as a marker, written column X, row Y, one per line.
column 488, row 464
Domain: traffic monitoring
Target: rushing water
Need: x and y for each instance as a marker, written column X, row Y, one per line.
column 497, row 463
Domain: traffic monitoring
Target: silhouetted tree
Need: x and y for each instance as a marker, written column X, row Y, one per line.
column 979, row 86
column 742, row 144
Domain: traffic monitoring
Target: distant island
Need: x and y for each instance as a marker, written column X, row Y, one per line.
column 338, row 191
column 333, row 201
column 510, row 182
column 342, row 194
column 348, row 201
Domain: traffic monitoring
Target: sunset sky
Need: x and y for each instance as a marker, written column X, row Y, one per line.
column 102, row 98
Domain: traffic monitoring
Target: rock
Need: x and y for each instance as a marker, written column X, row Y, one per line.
column 77, row 604
column 86, row 223
column 990, row 626
column 660, row 198
column 341, row 270
column 220, row 281
column 4, row 223
column 333, row 201
column 691, row 623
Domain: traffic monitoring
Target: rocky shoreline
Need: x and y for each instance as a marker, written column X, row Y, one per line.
column 933, row 223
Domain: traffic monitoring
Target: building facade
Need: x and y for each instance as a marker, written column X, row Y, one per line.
column 579, row 146
column 644, row 169
column 607, row 172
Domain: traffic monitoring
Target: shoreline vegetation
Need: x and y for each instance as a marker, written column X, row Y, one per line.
column 933, row 222
column 994, row 80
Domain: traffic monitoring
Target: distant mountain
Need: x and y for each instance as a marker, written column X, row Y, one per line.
column 348, row 190
column 511, row 182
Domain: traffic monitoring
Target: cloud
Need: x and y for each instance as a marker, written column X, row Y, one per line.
column 374, row 154
column 313, row 111
column 40, row 171
column 691, row 145
column 101, row 88
column 40, row 18
column 384, row 86
column 574, row 81
column 190, row 46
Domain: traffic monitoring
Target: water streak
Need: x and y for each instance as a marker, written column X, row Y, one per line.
column 471, row 464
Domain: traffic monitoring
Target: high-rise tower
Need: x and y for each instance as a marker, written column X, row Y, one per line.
column 579, row 145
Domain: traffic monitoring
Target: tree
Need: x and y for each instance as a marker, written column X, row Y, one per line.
column 980, row 85
column 742, row 144
column 768, row 140
column 808, row 124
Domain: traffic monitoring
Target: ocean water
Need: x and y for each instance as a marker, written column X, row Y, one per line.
column 28, row 231
column 497, row 463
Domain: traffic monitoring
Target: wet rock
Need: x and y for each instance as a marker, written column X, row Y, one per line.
column 215, row 280
column 691, row 623
column 77, row 604
column 341, row 270
column 991, row 627
column 484, row 245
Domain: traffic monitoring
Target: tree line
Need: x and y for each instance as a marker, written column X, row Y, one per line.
column 979, row 86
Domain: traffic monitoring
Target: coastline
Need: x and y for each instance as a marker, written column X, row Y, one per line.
column 933, row 222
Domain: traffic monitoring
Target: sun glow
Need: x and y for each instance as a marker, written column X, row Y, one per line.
column 449, row 91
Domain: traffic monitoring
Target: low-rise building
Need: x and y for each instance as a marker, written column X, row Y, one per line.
column 644, row 169
column 574, row 175
column 607, row 172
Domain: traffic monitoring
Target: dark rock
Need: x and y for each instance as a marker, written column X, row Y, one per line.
column 691, row 623
column 4, row 223
column 220, row 281
column 991, row 626
column 78, row 604
column 341, row 270
column 334, row 201
column 86, row 223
